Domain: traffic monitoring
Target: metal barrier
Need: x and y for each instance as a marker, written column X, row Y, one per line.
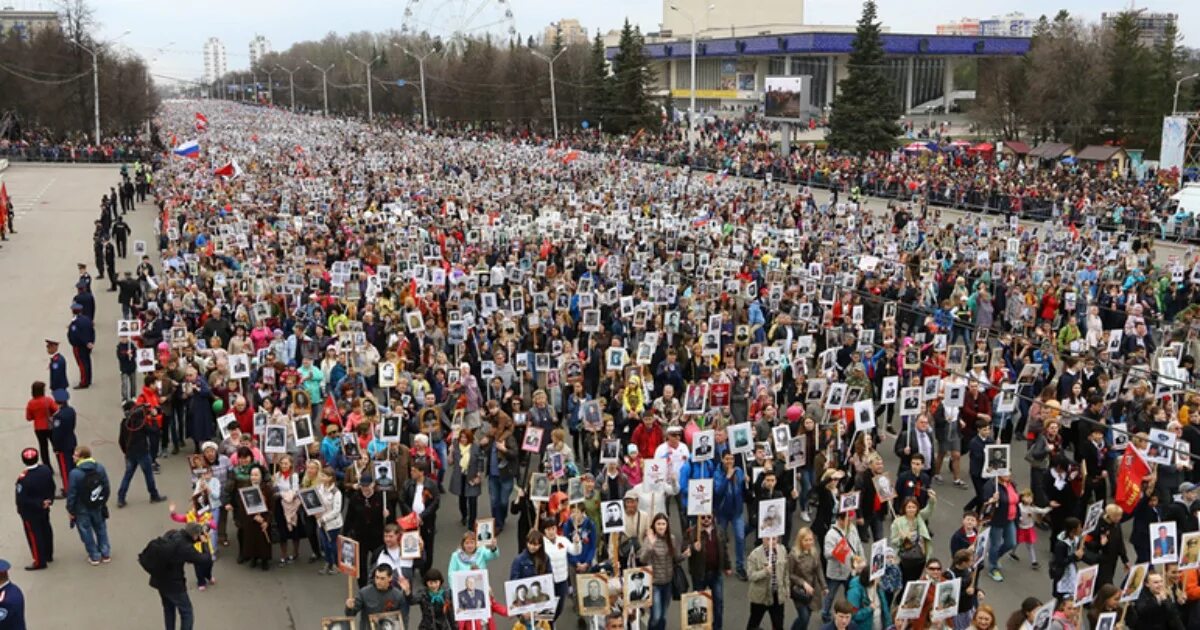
column 59, row 155
column 1167, row 228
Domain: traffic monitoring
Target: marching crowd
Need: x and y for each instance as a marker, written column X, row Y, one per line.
column 660, row 379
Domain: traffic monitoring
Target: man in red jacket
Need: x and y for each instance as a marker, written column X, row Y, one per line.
column 647, row 435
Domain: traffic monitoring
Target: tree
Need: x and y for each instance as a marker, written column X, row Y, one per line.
column 1001, row 93
column 864, row 113
column 598, row 84
column 631, row 108
column 1129, row 98
column 1063, row 61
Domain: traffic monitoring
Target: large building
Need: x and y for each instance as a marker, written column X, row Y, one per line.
column 965, row 26
column 733, row 59
column 568, row 29
column 1151, row 26
column 21, row 24
column 1011, row 25
column 259, row 47
column 730, row 18
column 215, row 62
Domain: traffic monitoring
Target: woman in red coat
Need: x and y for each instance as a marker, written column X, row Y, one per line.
column 149, row 399
column 38, row 410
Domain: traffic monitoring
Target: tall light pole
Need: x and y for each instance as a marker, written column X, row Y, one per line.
column 692, row 82
column 270, row 87
column 96, row 80
column 291, row 83
column 370, row 103
column 152, row 60
column 553, row 98
column 324, row 83
column 424, row 104
column 1175, row 101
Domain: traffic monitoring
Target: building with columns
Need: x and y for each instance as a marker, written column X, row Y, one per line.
column 731, row 70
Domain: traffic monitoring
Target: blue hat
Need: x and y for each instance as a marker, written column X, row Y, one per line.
column 4, row 566
column 61, row 396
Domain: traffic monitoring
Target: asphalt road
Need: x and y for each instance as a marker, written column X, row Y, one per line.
column 55, row 209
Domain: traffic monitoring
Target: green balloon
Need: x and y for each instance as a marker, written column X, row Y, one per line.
column 218, row 405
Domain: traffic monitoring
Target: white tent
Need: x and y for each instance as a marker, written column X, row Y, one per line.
column 1189, row 199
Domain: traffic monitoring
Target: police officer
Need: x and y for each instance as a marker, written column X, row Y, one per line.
column 84, row 298
column 58, row 367
column 110, row 261
column 84, row 276
column 98, row 246
column 35, row 495
column 12, row 601
column 120, row 234
column 62, row 437
column 81, row 334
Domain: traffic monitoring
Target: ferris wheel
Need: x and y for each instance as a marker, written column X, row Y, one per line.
column 454, row 22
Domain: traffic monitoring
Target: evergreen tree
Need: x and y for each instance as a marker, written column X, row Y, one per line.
column 557, row 44
column 864, row 113
column 598, row 85
column 1168, row 58
column 631, row 108
column 1127, row 101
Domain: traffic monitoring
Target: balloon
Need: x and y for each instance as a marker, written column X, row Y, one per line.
column 218, row 406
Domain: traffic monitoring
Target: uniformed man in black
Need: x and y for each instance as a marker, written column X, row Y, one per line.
column 62, row 437
column 98, row 245
column 35, row 495
column 110, row 261
column 120, row 234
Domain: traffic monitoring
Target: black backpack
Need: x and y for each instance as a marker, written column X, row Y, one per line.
column 91, row 491
column 156, row 557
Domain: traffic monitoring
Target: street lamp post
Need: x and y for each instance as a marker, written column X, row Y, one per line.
column 324, row 83
column 692, row 84
column 291, row 83
column 270, row 87
column 370, row 103
column 424, row 104
column 1175, row 101
column 96, row 81
column 553, row 98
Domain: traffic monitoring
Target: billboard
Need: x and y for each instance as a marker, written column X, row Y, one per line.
column 787, row 98
column 1174, row 142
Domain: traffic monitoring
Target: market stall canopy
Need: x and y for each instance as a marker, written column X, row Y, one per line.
column 1100, row 153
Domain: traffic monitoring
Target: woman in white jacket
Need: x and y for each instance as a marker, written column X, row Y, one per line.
column 557, row 547
column 330, row 520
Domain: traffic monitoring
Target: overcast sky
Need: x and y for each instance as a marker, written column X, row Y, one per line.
column 188, row 23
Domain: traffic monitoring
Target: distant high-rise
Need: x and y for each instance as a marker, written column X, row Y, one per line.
column 259, row 46
column 568, row 29
column 1151, row 26
column 1011, row 25
column 215, row 62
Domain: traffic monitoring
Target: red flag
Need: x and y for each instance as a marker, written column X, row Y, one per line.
column 330, row 413
column 1074, row 231
column 201, row 122
column 1131, row 470
column 570, row 157
column 231, row 170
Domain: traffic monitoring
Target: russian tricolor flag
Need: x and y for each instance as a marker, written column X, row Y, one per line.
column 190, row 149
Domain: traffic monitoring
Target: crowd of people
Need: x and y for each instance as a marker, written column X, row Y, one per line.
column 660, row 379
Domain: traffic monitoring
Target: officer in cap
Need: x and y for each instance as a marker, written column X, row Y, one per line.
column 12, row 600
column 62, row 437
column 58, row 367
column 35, row 495
column 84, row 298
column 81, row 334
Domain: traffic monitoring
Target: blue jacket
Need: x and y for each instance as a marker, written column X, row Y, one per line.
column 74, row 480
column 522, row 567
column 58, row 373
column 859, row 597
column 695, row 470
column 729, row 495
column 81, row 332
column 587, row 541
column 62, row 430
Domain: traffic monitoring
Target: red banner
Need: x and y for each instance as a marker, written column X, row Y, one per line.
column 1130, row 472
